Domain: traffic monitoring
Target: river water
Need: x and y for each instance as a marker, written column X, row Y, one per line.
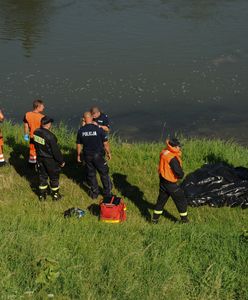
column 155, row 66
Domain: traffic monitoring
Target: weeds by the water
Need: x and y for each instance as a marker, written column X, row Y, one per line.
column 42, row 254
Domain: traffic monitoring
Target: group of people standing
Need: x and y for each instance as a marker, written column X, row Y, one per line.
column 92, row 147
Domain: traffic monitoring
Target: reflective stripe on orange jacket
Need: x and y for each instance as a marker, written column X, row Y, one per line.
column 164, row 164
column 33, row 120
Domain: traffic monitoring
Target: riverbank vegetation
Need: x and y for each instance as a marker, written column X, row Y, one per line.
column 44, row 255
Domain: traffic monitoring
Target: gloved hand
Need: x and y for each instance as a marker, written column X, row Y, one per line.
column 26, row 137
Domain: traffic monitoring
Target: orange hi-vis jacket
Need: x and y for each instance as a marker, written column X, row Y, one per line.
column 164, row 164
column 33, row 120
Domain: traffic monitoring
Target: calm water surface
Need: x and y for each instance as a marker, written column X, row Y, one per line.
column 155, row 67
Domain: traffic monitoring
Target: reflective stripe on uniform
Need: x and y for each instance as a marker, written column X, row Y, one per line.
column 158, row 212
column 39, row 140
column 55, row 188
column 183, row 214
column 32, row 159
column 1, row 158
column 111, row 221
column 43, row 187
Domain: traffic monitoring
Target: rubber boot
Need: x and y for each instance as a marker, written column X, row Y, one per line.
column 56, row 195
column 32, row 166
column 184, row 219
column 3, row 163
column 154, row 221
column 155, row 218
column 42, row 194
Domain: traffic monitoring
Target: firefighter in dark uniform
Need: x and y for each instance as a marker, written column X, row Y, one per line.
column 49, row 159
column 170, row 171
column 100, row 118
column 94, row 142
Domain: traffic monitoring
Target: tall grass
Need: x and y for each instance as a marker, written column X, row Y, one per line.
column 44, row 255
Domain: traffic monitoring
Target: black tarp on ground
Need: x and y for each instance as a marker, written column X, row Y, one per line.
column 217, row 185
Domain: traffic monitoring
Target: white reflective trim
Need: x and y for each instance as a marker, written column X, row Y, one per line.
column 43, row 187
column 55, row 189
column 32, row 161
column 183, row 214
column 158, row 212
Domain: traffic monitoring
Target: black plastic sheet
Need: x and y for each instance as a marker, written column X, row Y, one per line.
column 217, row 185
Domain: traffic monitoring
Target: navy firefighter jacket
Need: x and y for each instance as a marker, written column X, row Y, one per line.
column 92, row 138
column 46, row 145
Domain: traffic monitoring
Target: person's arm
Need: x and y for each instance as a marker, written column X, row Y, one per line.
column 26, row 129
column 105, row 128
column 176, row 168
column 107, row 149
column 57, row 155
column 1, row 116
column 105, row 142
column 79, row 146
column 79, row 149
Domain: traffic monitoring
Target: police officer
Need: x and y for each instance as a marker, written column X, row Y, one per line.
column 170, row 170
column 49, row 159
column 94, row 142
column 100, row 118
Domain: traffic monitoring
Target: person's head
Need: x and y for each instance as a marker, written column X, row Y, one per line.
column 46, row 122
column 174, row 143
column 38, row 105
column 87, row 117
column 95, row 112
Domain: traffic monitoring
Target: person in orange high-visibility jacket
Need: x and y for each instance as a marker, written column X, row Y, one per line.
column 2, row 160
column 170, row 171
column 32, row 121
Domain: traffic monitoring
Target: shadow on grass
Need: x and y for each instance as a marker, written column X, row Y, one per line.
column 169, row 216
column 74, row 170
column 133, row 193
column 18, row 159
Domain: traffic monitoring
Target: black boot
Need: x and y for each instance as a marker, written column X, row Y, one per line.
column 184, row 219
column 3, row 163
column 56, row 195
column 155, row 218
column 42, row 195
column 154, row 221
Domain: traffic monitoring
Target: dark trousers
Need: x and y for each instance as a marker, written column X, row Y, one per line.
column 96, row 162
column 48, row 168
column 167, row 189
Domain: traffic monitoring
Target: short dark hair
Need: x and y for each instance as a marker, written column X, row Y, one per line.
column 37, row 103
column 96, row 109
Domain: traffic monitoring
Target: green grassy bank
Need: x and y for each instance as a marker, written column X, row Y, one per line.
column 41, row 253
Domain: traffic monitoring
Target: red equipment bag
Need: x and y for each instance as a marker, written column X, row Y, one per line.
column 112, row 210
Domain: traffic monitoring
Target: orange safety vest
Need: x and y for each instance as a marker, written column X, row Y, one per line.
column 33, row 119
column 164, row 164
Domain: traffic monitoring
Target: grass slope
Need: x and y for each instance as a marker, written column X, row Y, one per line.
column 43, row 255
